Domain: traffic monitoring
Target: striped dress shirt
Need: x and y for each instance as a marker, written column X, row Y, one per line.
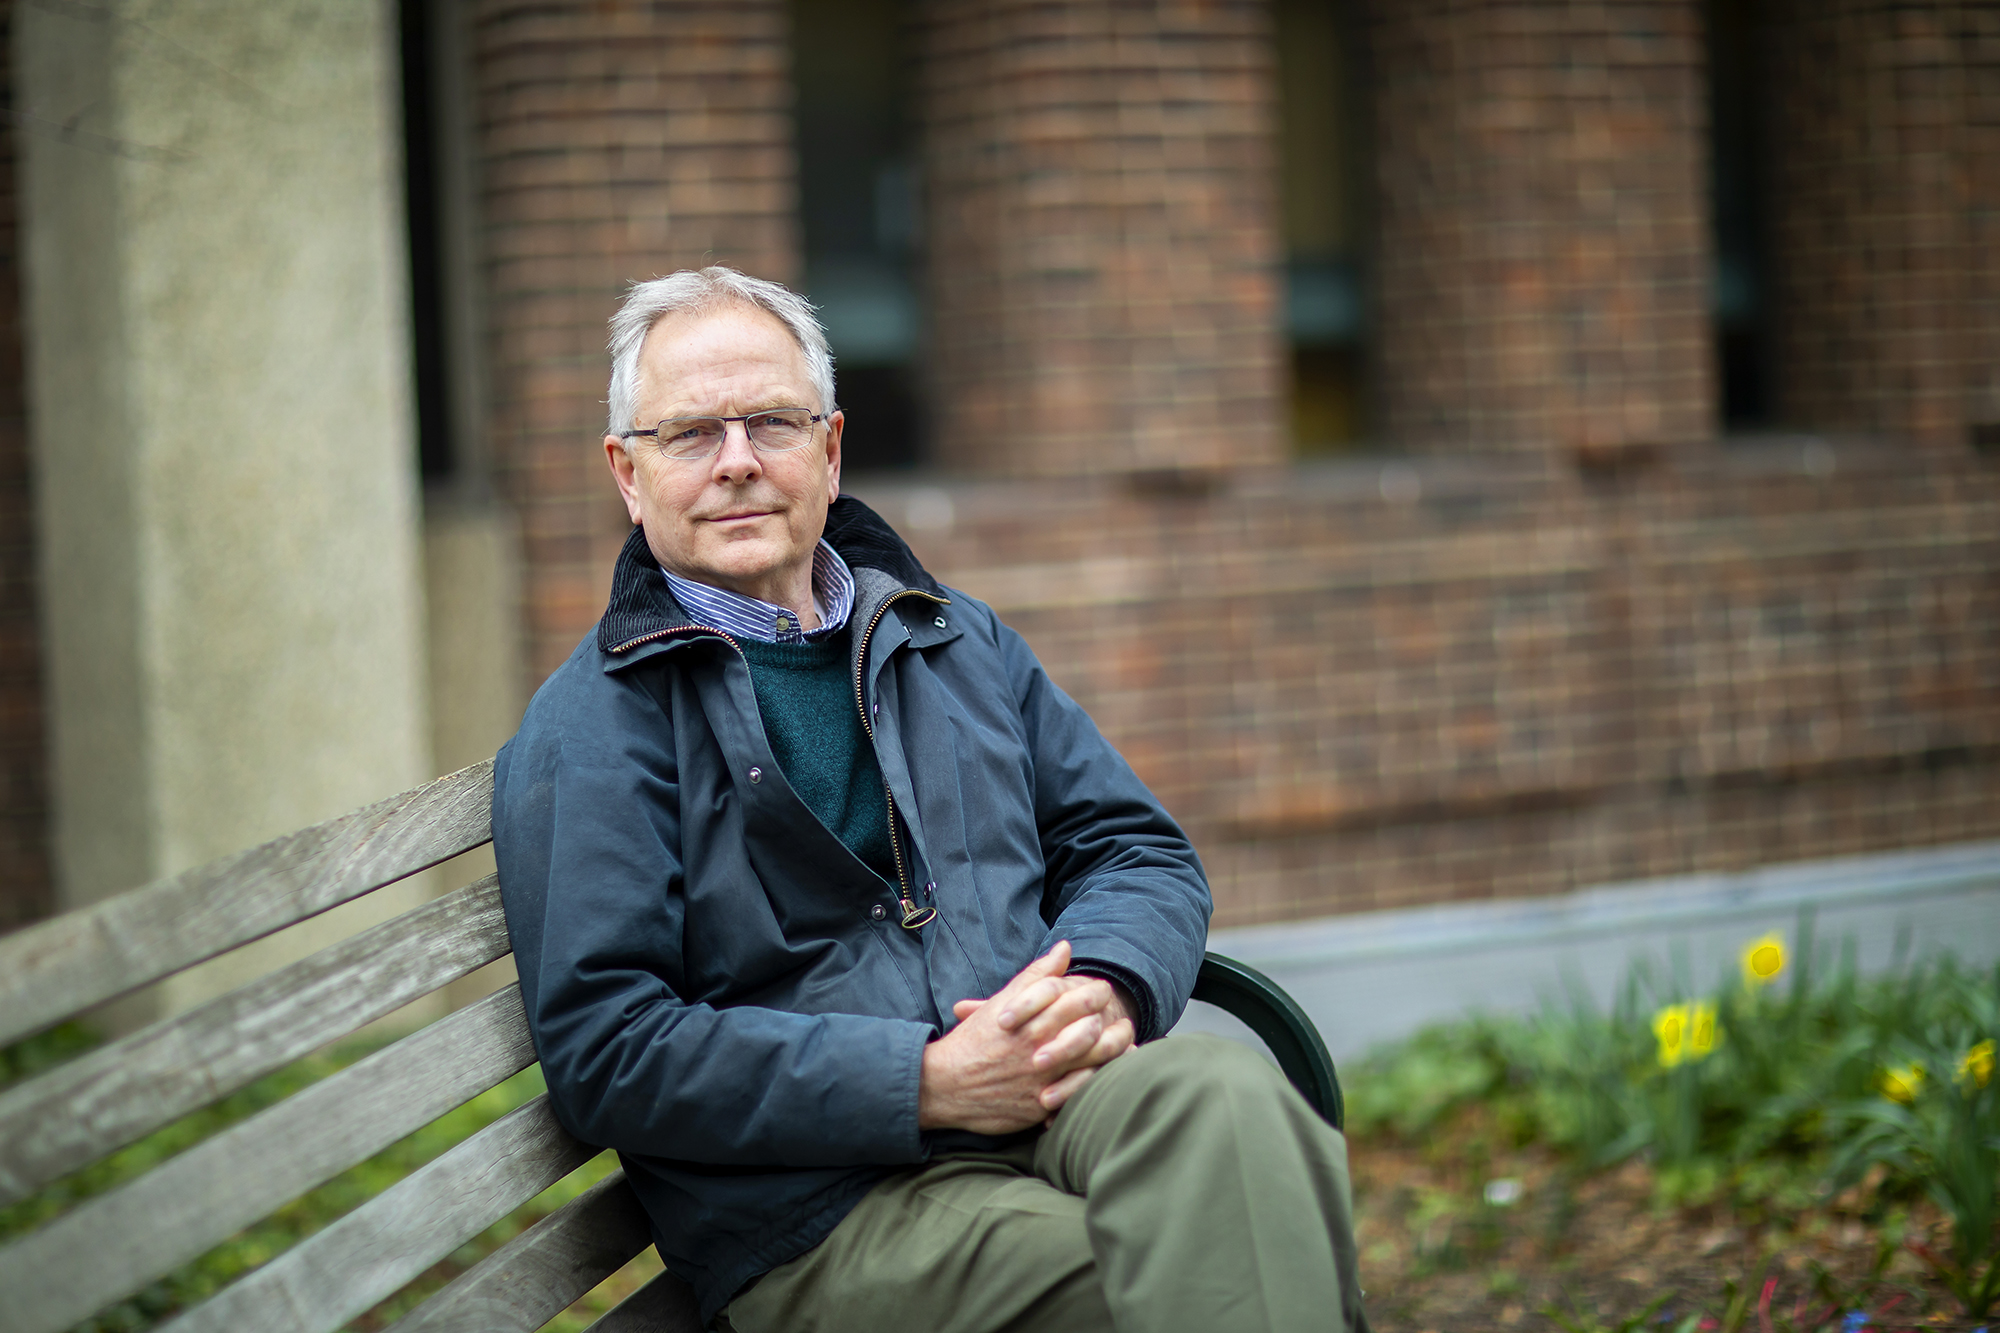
column 754, row 618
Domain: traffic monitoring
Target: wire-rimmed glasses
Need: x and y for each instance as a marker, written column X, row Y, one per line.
column 775, row 430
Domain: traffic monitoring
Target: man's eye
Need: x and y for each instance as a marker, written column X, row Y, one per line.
column 689, row 433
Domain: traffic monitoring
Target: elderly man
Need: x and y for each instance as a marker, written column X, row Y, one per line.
column 840, row 922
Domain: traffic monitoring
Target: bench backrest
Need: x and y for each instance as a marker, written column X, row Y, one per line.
column 115, row 1243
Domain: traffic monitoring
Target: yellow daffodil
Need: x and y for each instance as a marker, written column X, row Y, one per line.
column 1670, row 1027
column 1686, row 1032
column 1977, row 1065
column 1763, row 959
column 1903, row 1083
column 1701, row 1034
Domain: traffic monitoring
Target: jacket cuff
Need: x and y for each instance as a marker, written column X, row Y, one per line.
column 909, row 1095
column 1146, row 1021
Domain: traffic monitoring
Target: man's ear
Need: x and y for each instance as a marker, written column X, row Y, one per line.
column 623, row 471
column 834, row 425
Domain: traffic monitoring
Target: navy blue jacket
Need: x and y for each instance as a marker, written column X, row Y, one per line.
column 717, row 987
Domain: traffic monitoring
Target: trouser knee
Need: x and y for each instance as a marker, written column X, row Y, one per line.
column 1202, row 1075
column 1198, row 1062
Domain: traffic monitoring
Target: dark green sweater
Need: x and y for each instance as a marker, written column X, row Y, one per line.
column 805, row 693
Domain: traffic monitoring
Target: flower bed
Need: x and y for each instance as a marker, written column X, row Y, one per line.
column 1795, row 1146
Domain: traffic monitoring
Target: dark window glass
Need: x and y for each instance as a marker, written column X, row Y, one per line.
column 859, row 205
column 1320, row 133
column 1741, row 296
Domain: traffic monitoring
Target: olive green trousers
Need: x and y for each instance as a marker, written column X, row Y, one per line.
column 1186, row 1187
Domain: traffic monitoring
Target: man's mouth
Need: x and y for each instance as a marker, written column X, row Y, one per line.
column 741, row 515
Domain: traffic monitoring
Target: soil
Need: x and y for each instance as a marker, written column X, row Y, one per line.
column 1592, row 1252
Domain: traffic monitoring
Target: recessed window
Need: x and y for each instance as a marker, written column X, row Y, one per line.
column 1320, row 190
column 1740, row 291
column 860, row 207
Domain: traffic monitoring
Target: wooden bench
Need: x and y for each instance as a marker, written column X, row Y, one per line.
column 116, row 1243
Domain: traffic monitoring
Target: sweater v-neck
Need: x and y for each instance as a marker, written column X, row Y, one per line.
column 806, row 699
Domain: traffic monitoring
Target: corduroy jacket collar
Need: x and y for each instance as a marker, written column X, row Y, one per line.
column 643, row 609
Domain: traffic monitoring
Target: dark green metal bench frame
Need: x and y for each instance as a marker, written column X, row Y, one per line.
column 1262, row 1006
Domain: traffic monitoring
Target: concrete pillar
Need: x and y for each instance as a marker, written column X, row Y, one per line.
column 1103, row 236
column 1886, row 192
column 219, row 371
column 1543, row 229
column 617, row 142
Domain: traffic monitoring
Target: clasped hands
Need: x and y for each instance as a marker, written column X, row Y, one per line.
column 1018, row 1055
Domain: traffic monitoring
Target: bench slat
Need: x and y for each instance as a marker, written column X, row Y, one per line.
column 664, row 1305
column 537, row 1275
column 330, row 1277
column 57, row 968
column 111, row 1246
column 109, row 1097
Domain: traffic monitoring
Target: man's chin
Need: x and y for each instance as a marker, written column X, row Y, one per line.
column 749, row 560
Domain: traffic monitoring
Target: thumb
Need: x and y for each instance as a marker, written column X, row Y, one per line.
column 965, row 1009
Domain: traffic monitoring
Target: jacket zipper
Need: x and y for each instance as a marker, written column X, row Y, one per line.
column 722, row 634
column 914, row 917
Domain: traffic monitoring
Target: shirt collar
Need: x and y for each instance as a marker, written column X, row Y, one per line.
column 754, row 618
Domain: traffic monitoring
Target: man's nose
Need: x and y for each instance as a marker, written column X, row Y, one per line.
column 736, row 461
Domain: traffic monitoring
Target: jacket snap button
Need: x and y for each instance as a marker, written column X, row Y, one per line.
column 939, row 622
column 878, row 911
column 756, row 775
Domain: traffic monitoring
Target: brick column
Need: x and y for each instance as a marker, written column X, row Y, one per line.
column 1544, row 232
column 25, row 889
column 1103, row 235
column 617, row 141
column 1887, row 187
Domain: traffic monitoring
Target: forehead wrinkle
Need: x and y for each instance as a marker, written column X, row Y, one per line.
column 729, row 396
column 725, row 374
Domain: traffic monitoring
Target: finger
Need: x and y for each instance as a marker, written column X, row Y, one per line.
column 1114, row 1039
column 1079, row 998
column 1064, row 1088
column 1117, row 1039
column 1051, row 964
column 965, row 1009
column 1036, row 999
column 1068, row 1047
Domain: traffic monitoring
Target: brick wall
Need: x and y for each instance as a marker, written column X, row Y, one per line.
column 25, row 888
column 617, row 141
column 1102, row 234
column 1362, row 684
column 1543, row 225
column 1886, row 202
column 1473, row 671
column 1382, row 684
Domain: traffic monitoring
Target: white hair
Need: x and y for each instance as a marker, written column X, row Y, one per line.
column 692, row 291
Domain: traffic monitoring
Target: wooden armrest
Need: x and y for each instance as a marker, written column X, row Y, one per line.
column 1278, row 1021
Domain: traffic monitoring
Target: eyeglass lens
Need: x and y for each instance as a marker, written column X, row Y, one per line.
column 770, row 432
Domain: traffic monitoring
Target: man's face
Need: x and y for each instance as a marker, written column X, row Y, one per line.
column 741, row 520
